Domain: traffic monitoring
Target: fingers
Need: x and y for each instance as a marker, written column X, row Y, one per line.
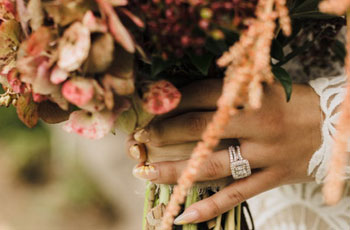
column 215, row 167
column 199, row 95
column 189, row 127
column 135, row 150
column 229, row 197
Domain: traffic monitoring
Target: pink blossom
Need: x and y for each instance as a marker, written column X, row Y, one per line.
column 38, row 97
column 90, row 125
column 58, row 75
column 79, row 91
column 74, row 47
column 14, row 81
column 161, row 97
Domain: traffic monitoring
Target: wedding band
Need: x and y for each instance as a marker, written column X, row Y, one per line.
column 240, row 167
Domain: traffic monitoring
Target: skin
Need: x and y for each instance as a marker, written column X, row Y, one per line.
column 278, row 140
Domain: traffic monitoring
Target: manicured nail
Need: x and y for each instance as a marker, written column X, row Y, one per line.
column 145, row 172
column 142, row 136
column 187, row 217
column 135, row 151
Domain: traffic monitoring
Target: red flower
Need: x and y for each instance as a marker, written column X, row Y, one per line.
column 161, row 97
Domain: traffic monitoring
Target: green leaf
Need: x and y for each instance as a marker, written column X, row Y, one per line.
column 216, row 47
column 202, row 62
column 126, row 121
column 286, row 81
column 159, row 65
column 311, row 15
column 277, row 50
column 307, row 5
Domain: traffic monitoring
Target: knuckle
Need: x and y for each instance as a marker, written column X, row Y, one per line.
column 156, row 135
column 214, row 207
column 235, row 196
column 195, row 123
column 213, row 168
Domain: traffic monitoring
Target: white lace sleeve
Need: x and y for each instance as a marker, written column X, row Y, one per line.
column 331, row 91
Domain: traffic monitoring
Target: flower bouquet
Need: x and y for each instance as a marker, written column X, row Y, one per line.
column 107, row 65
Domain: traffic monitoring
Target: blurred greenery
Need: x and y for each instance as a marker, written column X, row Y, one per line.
column 28, row 152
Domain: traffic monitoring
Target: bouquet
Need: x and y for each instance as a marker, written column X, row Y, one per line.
column 107, row 65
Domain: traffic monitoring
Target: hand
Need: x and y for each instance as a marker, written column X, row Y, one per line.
column 278, row 140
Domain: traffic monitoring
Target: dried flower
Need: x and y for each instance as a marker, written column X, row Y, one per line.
column 79, row 91
column 91, row 125
column 74, row 47
column 161, row 97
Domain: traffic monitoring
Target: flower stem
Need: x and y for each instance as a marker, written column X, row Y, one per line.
column 191, row 198
column 164, row 194
column 149, row 198
column 218, row 223
column 238, row 216
column 230, row 220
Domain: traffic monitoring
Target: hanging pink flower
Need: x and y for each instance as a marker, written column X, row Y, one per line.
column 90, row 125
column 79, row 91
column 161, row 97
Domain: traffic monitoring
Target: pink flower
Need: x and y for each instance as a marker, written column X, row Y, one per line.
column 91, row 125
column 14, row 81
column 74, row 47
column 79, row 91
column 161, row 97
column 58, row 75
column 39, row 98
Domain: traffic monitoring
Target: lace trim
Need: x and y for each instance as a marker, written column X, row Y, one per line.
column 331, row 91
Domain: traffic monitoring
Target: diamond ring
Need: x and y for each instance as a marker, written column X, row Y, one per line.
column 240, row 167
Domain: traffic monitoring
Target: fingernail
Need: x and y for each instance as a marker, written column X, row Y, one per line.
column 145, row 172
column 187, row 217
column 142, row 136
column 135, row 151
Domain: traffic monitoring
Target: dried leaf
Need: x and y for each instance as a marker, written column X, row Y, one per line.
column 101, row 54
column 38, row 41
column 27, row 110
column 51, row 113
column 65, row 12
column 74, row 47
column 36, row 14
column 133, row 18
column 94, row 24
column 118, row 2
column 10, row 32
column 118, row 30
column 23, row 15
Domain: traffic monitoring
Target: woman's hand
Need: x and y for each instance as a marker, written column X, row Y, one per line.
column 278, row 140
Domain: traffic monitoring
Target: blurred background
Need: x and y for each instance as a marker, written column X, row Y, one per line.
column 52, row 180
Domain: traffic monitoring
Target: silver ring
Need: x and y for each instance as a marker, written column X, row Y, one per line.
column 240, row 167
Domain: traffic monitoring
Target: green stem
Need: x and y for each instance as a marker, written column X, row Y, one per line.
column 164, row 194
column 146, row 206
column 230, row 220
column 238, row 216
column 191, row 198
column 218, row 223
